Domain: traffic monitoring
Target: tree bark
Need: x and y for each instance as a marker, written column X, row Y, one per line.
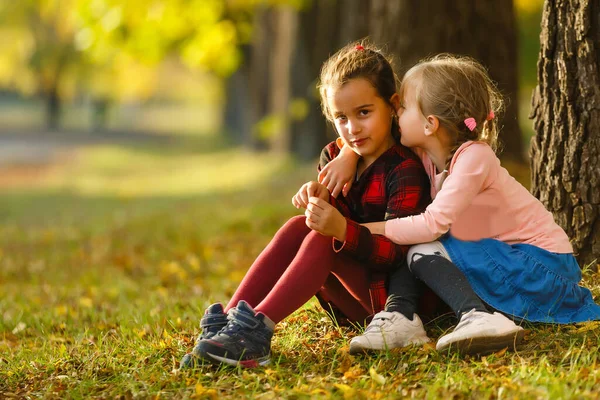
column 237, row 116
column 258, row 76
column 565, row 151
column 53, row 109
column 486, row 31
column 281, row 66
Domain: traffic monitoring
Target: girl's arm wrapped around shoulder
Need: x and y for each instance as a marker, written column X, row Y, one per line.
column 338, row 174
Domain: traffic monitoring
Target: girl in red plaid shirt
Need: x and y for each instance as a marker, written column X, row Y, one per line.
column 326, row 252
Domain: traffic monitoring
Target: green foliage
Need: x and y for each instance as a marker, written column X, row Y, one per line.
column 41, row 47
column 269, row 126
column 529, row 17
column 102, row 292
column 111, row 48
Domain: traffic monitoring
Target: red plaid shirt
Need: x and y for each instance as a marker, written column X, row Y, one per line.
column 394, row 186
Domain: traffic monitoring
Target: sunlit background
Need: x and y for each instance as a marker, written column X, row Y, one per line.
column 132, row 97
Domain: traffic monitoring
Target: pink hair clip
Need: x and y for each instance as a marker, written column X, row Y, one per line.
column 470, row 123
column 359, row 47
column 491, row 115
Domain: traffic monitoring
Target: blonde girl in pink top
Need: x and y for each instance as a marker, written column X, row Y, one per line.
column 485, row 245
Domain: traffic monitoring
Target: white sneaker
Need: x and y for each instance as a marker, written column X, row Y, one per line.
column 389, row 330
column 482, row 333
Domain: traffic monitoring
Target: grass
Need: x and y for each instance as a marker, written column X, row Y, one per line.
column 108, row 261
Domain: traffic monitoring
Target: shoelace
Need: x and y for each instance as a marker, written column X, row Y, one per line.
column 231, row 328
column 209, row 320
column 374, row 324
column 467, row 319
column 238, row 320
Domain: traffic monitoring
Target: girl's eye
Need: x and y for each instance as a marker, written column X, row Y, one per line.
column 364, row 112
column 341, row 118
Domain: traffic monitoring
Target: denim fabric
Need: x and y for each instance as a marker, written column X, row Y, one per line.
column 524, row 280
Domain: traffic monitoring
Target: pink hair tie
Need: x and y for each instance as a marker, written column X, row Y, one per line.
column 359, row 47
column 491, row 115
column 470, row 123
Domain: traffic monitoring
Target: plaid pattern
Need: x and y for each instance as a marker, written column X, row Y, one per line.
column 394, row 186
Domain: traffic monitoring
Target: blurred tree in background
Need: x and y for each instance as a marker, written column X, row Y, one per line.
column 108, row 49
column 126, row 40
column 39, row 53
column 565, row 150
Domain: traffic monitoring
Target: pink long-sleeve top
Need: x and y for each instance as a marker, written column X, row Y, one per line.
column 477, row 199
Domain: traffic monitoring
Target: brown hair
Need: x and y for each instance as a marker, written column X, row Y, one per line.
column 453, row 88
column 359, row 60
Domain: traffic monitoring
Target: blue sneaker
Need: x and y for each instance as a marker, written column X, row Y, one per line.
column 245, row 341
column 213, row 320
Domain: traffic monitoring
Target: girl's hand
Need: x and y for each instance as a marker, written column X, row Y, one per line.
column 339, row 173
column 308, row 190
column 325, row 219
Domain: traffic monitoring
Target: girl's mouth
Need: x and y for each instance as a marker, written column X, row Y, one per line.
column 359, row 142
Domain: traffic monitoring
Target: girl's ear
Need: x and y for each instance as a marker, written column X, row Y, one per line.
column 395, row 101
column 432, row 124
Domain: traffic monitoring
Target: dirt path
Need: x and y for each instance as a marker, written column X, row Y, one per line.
column 27, row 156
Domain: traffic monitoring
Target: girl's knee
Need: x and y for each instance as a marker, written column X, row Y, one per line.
column 416, row 252
column 298, row 219
column 316, row 238
column 296, row 222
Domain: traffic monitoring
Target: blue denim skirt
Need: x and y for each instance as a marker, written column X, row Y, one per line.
column 525, row 281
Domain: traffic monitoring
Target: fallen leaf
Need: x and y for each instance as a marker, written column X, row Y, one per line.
column 585, row 327
column 204, row 393
column 377, row 378
column 19, row 328
column 85, row 302
column 501, row 352
column 354, row 372
column 346, row 390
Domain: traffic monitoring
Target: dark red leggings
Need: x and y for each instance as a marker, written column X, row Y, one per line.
column 297, row 264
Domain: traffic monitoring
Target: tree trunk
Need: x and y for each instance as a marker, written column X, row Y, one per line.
column 237, row 116
column 259, row 83
column 53, row 109
column 100, row 110
column 486, row 31
column 281, row 66
column 565, row 151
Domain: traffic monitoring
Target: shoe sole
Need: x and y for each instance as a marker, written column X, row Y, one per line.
column 260, row 362
column 354, row 350
column 485, row 345
column 359, row 349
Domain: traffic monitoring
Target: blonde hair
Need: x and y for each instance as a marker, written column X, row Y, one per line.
column 359, row 60
column 454, row 88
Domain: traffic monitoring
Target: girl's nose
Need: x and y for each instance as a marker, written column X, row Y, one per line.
column 354, row 127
